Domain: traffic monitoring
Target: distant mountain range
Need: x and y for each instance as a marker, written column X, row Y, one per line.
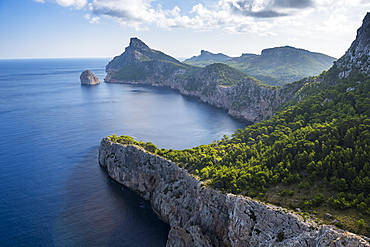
column 219, row 84
column 275, row 66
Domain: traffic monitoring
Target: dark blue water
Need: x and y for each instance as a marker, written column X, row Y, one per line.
column 52, row 190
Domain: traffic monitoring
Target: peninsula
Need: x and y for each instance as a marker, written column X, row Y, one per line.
column 311, row 156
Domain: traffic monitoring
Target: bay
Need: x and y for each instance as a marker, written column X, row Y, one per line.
column 52, row 190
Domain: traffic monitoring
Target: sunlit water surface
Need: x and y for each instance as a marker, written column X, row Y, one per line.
column 52, row 190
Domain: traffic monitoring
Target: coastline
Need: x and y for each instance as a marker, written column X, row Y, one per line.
column 201, row 216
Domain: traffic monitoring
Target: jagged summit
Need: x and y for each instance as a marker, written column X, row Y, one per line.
column 136, row 52
column 357, row 56
column 137, row 44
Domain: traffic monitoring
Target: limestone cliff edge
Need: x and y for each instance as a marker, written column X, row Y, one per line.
column 201, row 216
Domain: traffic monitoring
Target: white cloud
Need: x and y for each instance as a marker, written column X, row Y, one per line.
column 79, row 4
column 335, row 22
column 92, row 20
column 262, row 17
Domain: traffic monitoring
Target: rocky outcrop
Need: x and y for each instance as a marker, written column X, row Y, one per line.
column 201, row 216
column 358, row 55
column 89, row 78
column 217, row 84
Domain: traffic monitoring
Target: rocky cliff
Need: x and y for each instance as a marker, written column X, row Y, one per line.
column 217, row 84
column 201, row 216
column 228, row 88
column 357, row 58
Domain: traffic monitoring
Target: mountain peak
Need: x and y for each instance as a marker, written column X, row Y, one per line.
column 281, row 50
column 137, row 43
column 361, row 45
column 358, row 55
column 207, row 57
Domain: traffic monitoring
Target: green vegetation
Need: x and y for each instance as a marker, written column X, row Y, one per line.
column 313, row 155
column 275, row 66
column 128, row 140
column 207, row 58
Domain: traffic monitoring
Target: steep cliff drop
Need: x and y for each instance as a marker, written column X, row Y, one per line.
column 201, row 216
column 217, row 84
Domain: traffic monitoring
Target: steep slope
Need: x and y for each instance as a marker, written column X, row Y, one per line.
column 311, row 157
column 357, row 58
column 201, row 216
column 206, row 58
column 217, row 84
column 139, row 63
column 275, row 66
column 284, row 64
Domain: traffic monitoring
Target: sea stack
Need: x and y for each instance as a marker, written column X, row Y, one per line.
column 88, row 78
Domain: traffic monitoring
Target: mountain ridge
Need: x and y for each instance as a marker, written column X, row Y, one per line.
column 244, row 97
column 275, row 66
column 311, row 156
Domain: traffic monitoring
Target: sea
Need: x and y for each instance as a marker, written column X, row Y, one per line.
column 52, row 190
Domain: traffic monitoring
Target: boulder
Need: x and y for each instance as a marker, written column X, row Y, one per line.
column 88, row 78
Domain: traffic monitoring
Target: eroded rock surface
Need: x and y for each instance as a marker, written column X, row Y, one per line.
column 89, row 78
column 201, row 216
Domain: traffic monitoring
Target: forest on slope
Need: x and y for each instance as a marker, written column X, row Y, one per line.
column 312, row 156
column 275, row 66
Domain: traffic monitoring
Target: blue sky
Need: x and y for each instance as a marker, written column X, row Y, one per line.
column 180, row 28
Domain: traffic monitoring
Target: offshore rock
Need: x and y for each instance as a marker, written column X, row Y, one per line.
column 201, row 216
column 89, row 78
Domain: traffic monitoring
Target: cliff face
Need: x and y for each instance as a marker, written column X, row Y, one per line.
column 201, row 216
column 358, row 55
column 217, row 84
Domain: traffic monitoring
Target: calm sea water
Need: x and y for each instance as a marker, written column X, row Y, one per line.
column 52, row 190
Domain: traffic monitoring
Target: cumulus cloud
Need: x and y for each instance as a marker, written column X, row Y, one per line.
column 78, row 4
column 237, row 16
column 72, row 3
column 92, row 19
column 136, row 11
column 268, row 8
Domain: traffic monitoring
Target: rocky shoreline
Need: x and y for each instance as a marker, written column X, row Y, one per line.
column 201, row 216
column 247, row 100
column 217, row 84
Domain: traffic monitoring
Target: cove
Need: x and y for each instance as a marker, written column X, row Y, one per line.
column 52, row 190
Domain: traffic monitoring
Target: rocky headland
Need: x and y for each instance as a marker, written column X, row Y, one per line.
column 217, row 84
column 201, row 216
